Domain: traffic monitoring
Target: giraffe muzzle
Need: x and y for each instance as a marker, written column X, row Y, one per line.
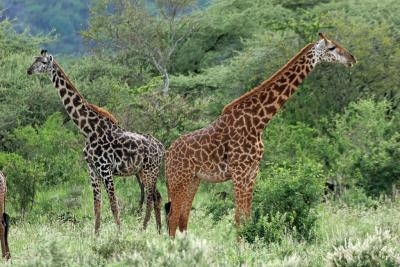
column 352, row 61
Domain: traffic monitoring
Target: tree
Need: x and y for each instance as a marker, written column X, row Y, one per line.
column 151, row 34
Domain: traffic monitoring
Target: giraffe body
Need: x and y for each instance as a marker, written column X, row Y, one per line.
column 231, row 147
column 110, row 150
column 4, row 218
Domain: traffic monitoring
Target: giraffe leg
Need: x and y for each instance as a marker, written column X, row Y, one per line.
column 6, row 224
column 149, row 205
column 4, row 228
column 150, row 186
column 243, row 194
column 157, row 209
column 141, row 202
column 180, row 199
column 96, row 198
column 174, row 211
column 3, row 238
column 109, row 184
column 187, row 205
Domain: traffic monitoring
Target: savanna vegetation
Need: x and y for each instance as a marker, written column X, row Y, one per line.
column 168, row 67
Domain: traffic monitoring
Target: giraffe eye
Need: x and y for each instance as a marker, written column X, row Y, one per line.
column 332, row 48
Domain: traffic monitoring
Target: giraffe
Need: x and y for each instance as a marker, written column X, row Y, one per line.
column 110, row 150
column 4, row 225
column 231, row 147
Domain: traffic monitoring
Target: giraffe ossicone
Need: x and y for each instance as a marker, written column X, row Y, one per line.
column 110, row 150
column 231, row 147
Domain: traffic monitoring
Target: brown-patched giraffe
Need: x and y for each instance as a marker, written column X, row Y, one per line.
column 4, row 225
column 231, row 147
column 110, row 150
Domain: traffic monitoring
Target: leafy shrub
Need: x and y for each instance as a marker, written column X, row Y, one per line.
column 147, row 110
column 288, row 143
column 219, row 203
column 22, row 179
column 375, row 250
column 57, row 149
column 356, row 197
column 284, row 202
column 368, row 146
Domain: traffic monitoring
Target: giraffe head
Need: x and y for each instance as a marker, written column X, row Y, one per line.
column 330, row 51
column 42, row 63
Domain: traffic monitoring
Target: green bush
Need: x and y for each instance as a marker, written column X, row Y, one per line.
column 368, row 144
column 284, row 202
column 219, row 202
column 147, row 110
column 22, row 180
column 288, row 143
column 55, row 148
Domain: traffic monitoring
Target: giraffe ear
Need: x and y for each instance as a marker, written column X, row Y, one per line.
column 322, row 36
column 50, row 57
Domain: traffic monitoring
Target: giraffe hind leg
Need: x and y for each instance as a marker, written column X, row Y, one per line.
column 157, row 209
column 149, row 206
column 181, row 200
column 109, row 184
column 142, row 194
column 96, row 199
column 149, row 183
column 187, row 204
column 6, row 223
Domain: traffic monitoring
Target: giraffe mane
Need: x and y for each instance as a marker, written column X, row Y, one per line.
column 103, row 112
column 270, row 80
column 97, row 109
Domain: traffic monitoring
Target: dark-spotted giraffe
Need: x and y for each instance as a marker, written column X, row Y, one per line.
column 231, row 147
column 110, row 150
column 4, row 218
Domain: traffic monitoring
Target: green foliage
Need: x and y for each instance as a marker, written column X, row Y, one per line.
column 22, row 180
column 53, row 147
column 284, row 203
column 147, row 110
column 287, row 143
column 23, row 100
column 220, row 202
column 220, row 30
column 369, row 149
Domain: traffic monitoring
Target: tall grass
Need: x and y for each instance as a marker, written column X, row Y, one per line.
column 54, row 241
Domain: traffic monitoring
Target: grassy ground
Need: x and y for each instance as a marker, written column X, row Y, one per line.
column 68, row 239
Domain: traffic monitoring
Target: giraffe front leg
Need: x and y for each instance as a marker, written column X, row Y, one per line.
column 243, row 185
column 96, row 198
column 109, row 184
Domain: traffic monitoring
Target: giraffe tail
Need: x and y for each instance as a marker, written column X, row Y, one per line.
column 167, row 208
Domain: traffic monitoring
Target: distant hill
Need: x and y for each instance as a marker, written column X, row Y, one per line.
column 66, row 18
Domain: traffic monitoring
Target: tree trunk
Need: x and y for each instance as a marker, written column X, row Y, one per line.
column 166, row 81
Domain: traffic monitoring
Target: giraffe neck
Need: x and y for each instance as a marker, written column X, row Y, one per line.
column 263, row 102
column 79, row 110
